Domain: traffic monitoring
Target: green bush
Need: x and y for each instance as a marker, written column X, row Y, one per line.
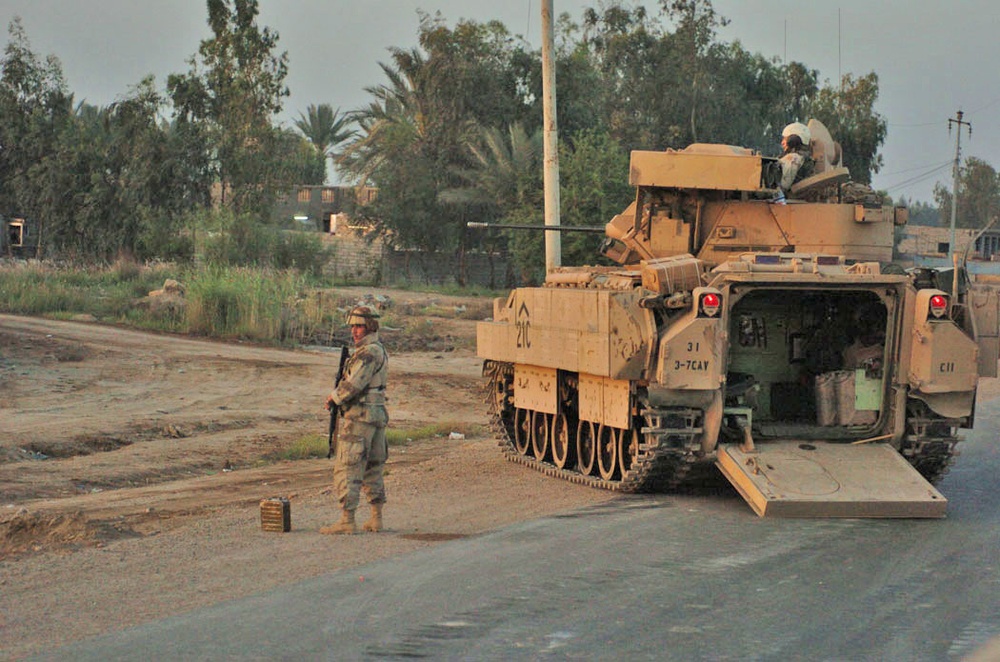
column 229, row 240
column 163, row 237
column 303, row 251
column 237, row 241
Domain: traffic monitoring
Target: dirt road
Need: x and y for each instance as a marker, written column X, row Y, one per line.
column 132, row 466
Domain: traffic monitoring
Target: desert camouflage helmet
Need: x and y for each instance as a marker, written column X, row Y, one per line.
column 363, row 316
column 797, row 129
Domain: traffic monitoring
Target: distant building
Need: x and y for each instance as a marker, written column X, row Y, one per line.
column 322, row 208
column 929, row 246
column 19, row 238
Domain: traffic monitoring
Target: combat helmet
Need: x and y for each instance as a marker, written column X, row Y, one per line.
column 797, row 129
column 363, row 316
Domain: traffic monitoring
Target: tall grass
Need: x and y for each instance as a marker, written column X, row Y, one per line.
column 260, row 304
column 106, row 293
column 243, row 302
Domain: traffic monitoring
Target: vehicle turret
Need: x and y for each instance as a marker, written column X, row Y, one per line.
column 718, row 201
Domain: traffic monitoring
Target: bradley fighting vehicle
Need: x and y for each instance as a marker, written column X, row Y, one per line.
column 771, row 339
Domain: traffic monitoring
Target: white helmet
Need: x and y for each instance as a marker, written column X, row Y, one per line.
column 797, row 129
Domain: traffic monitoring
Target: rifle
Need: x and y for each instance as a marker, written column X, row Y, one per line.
column 331, row 442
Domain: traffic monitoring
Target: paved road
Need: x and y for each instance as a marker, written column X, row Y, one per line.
column 663, row 577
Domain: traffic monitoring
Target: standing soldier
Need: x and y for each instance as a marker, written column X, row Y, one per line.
column 361, row 447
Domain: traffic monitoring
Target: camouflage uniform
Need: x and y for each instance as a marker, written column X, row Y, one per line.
column 796, row 165
column 361, row 445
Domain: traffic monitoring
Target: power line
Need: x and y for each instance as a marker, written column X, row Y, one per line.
column 893, row 125
column 920, row 125
column 919, row 167
column 919, row 178
column 982, row 108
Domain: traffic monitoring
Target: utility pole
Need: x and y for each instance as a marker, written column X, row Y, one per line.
column 553, row 241
column 957, row 121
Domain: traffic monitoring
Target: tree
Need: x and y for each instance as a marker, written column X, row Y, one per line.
column 392, row 123
column 921, row 213
column 594, row 188
column 505, row 173
column 229, row 99
column 325, row 128
column 98, row 182
column 417, row 130
column 635, row 75
column 504, row 184
column 126, row 184
column 849, row 113
column 507, row 176
column 978, row 196
column 692, row 45
column 34, row 107
column 396, row 151
column 298, row 159
column 661, row 89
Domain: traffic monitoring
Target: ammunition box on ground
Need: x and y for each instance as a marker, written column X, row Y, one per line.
column 276, row 515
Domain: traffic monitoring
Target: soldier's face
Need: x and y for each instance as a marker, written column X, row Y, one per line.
column 358, row 331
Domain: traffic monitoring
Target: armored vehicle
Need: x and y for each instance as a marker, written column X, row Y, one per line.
column 768, row 336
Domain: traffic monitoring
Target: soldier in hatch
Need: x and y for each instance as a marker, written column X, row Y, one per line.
column 796, row 155
column 361, row 447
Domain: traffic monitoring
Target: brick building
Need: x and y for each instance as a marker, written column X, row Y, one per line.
column 924, row 241
column 322, row 208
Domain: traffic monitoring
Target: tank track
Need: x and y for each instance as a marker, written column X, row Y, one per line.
column 930, row 443
column 668, row 452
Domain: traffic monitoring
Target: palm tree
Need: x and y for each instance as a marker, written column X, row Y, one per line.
column 505, row 170
column 325, row 128
column 398, row 121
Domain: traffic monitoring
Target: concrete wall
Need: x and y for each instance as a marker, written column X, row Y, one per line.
column 920, row 246
column 355, row 259
column 441, row 269
column 926, row 240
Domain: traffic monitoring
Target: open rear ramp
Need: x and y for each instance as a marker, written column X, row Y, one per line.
column 818, row 479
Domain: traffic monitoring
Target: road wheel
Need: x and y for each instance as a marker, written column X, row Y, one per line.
column 586, row 447
column 522, row 431
column 607, row 451
column 541, row 423
column 563, row 443
column 628, row 448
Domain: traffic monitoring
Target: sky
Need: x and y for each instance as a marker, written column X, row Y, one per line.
column 932, row 58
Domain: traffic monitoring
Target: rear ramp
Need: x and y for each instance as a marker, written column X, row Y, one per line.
column 819, row 479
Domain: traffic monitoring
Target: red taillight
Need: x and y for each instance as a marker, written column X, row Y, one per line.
column 710, row 303
column 939, row 305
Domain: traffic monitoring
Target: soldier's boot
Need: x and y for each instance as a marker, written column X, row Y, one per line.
column 375, row 523
column 346, row 525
